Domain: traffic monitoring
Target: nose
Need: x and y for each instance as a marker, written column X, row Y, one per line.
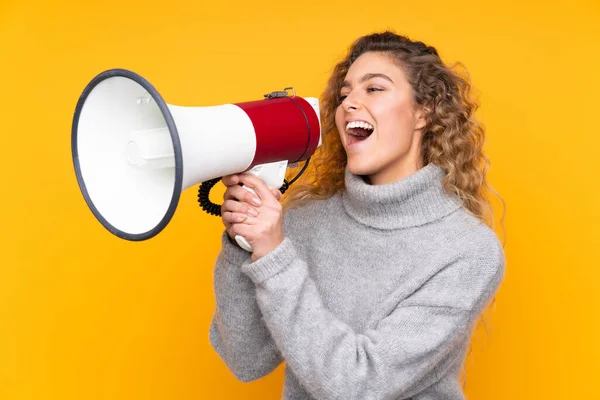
column 351, row 103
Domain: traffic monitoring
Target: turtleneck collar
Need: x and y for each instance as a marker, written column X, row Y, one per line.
column 412, row 201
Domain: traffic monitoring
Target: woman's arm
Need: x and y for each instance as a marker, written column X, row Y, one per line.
column 237, row 331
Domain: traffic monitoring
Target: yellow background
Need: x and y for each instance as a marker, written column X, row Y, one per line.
column 85, row 315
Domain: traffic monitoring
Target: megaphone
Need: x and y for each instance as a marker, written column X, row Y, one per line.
column 134, row 154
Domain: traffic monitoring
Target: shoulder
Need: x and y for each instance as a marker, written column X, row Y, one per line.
column 470, row 264
column 480, row 260
column 466, row 236
column 475, row 240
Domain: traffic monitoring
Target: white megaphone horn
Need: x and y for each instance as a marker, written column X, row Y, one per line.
column 134, row 154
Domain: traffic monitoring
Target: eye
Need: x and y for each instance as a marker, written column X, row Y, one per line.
column 374, row 89
column 342, row 98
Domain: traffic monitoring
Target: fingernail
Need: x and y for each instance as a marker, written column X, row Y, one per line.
column 240, row 218
column 253, row 212
column 256, row 201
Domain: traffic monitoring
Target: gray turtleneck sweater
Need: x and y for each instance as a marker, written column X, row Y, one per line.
column 373, row 294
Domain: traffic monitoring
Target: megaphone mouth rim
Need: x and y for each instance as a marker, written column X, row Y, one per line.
column 162, row 105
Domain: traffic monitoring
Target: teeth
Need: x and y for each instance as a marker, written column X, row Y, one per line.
column 359, row 124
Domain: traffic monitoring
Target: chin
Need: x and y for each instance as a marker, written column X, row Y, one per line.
column 358, row 169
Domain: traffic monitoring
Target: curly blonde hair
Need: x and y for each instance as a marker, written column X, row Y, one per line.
column 452, row 138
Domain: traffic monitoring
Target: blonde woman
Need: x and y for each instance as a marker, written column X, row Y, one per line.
column 368, row 283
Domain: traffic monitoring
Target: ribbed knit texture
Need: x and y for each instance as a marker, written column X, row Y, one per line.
column 372, row 294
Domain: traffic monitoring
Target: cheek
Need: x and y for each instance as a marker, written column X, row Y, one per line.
column 400, row 119
column 338, row 116
column 339, row 120
column 396, row 126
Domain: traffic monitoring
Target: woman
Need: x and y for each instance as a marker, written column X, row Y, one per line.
column 370, row 286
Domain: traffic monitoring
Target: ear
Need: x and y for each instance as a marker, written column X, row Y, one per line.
column 421, row 117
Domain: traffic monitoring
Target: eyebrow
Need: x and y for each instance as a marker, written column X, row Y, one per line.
column 366, row 77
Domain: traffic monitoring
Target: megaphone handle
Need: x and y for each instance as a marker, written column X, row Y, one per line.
column 241, row 241
column 273, row 175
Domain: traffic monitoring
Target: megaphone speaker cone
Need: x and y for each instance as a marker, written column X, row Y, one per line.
column 127, row 154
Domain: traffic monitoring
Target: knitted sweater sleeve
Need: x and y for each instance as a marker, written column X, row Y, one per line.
column 237, row 331
column 405, row 353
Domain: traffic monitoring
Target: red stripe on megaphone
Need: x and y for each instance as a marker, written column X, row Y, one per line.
column 286, row 128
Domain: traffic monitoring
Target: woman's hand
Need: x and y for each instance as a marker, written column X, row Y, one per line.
column 257, row 217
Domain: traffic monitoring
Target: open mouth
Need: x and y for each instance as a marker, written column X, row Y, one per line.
column 358, row 131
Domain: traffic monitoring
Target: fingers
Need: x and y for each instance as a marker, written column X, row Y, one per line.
column 238, row 207
column 240, row 224
column 238, row 193
column 233, row 222
column 259, row 186
column 253, row 192
column 276, row 193
column 230, row 218
column 234, row 211
column 230, row 180
column 263, row 232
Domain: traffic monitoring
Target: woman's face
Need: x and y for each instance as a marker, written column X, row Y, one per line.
column 379, row 126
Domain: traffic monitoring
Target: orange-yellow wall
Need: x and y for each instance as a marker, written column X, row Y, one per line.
column 84, row 315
